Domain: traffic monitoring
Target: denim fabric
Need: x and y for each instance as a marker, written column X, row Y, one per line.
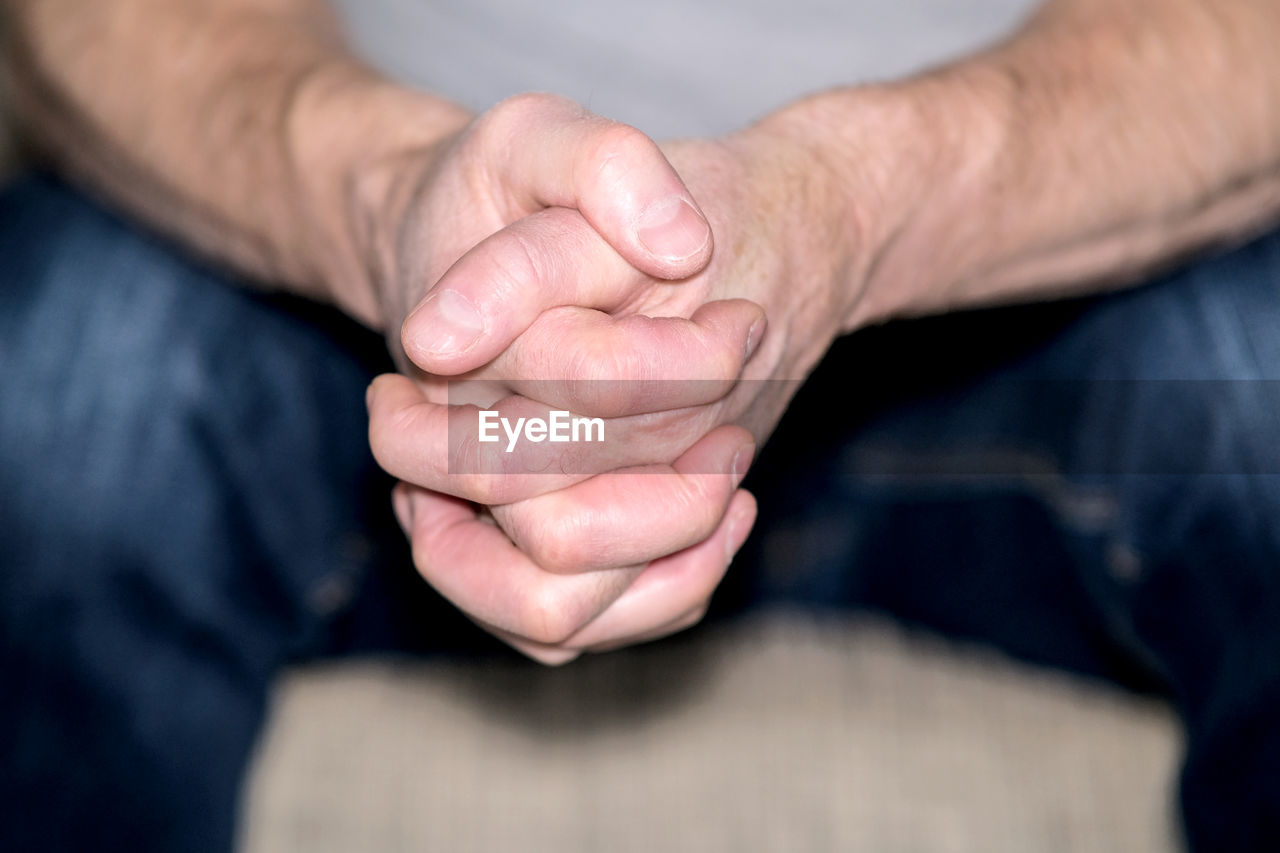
column 187, row 502
column 1092, row 484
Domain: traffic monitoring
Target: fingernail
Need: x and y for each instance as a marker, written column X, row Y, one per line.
column 403, row 506
column 672, row 230
column 451, row 323
column 368, row 395
column 742, row 463
column 754, row 337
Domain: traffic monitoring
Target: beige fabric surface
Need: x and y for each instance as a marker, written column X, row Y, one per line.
column 783, row 732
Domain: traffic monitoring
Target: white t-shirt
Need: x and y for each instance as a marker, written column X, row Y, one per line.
column 669, row 67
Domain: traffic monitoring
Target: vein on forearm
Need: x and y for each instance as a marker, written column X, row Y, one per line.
column 1105, row 140
column 1146, row 125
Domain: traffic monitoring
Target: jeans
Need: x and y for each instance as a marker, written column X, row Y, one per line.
column 188, row 504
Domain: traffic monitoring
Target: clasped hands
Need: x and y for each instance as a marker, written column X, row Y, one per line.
column 546, row 258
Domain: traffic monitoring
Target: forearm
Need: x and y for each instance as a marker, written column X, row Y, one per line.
column 241, row 127
column 1108, row 138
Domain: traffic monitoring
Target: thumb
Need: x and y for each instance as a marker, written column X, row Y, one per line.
column 556, row 154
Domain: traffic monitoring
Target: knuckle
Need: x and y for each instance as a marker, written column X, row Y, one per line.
column 548, row 618
column 486, row 488
column 512, row 117
column 421, row 552
column 525, row 261
column 588, row 366
column 609, row 362
column 514, row 266
column 692, row 619
column 604, row 381
column 378, row 442
column 619, row 146
column 464, row 452
column 724, row 360
column 524, row 105
column 553, row 657
column 599, row 397
column 386, row 431
column 701, row 504
column 559, row 541
column 675, row 431
column 477, row 487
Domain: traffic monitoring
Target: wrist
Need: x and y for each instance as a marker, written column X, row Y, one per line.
column 962, row 168
column 898, row 165
column 357, row 144
column 807, row 206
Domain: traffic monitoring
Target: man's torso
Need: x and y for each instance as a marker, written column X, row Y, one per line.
column 669, row 67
